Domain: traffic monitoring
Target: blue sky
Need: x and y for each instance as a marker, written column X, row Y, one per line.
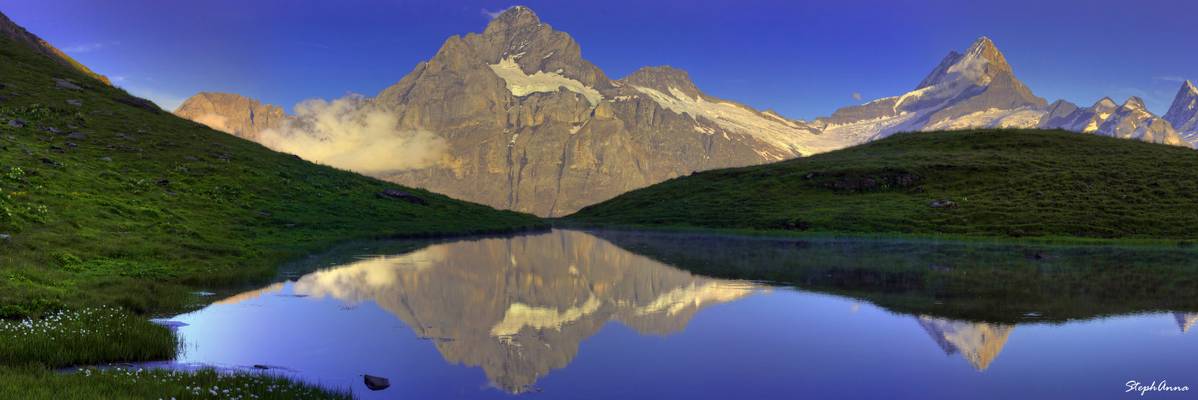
column 804, row 59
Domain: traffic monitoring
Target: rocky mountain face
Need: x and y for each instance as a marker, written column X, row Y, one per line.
column 528, row 124
column 231, row 113
column 17, row 33
column 532, row 126
column 1183, row 114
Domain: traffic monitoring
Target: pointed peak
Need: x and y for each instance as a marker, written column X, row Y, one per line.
column 1105, row 102
column 512, row 18
column 985, row 48
column 1134, row 102
column 983, row 42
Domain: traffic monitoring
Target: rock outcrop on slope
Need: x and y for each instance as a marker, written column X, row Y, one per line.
column 231, row 113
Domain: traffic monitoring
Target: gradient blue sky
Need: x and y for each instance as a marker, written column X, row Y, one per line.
column 804, row 59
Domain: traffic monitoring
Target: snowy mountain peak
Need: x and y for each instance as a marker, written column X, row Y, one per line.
column 979, row 65
column 1134, row 102
column 1183, row 114
column 1105, row 104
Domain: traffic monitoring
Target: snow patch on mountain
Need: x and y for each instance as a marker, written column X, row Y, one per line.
column 789, row 138
column 521, row 84
column 1025, row 117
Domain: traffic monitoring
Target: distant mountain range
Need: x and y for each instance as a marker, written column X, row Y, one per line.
column 521, row 121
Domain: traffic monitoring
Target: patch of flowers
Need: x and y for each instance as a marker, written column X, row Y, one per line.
column 206, row 384
column 84, row 336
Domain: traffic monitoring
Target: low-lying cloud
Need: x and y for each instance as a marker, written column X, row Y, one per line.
column 351, row 133
column 214, row 121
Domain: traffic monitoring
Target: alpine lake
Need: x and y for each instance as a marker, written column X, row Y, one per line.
column 630, row 315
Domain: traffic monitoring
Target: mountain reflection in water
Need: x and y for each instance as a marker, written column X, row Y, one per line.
column 522, row 318
column 515, row 312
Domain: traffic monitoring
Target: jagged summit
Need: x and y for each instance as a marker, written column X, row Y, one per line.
column 1183, row 113
column 985, row 48
column 979, row 63
column 515, row 17
column 662, row 78
column 1106, row 102
column 1134, row 102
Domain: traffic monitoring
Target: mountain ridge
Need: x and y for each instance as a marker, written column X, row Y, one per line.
column 531, row 125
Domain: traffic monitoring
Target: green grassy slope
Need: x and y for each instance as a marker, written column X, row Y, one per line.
column 1002, row 183
column 111, row 201
column 983, row 282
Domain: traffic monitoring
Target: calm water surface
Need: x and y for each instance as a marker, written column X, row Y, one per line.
column 569, row 314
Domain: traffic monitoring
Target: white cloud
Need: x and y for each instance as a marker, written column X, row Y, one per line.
column 214, row 121
column 492, row 14
column 350, row 133
column 89, row 47
column 1177, row 79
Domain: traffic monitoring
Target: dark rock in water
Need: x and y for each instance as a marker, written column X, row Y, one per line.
column 168, row 324
column 402, row 195
column 77, row 135
column 16, row 123
column 75, row 102
column 52, row 129
column 943, row 204
column 260, row 366
column 376, row 383
column 57, row 149
column 48, row 161
column 163, row 182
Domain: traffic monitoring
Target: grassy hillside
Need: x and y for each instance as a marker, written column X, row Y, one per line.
column 104, row 199
column 983, row 282
column 995, row 183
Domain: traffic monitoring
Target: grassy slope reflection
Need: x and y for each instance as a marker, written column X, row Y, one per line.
column 970, row 282
column 519, row 307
